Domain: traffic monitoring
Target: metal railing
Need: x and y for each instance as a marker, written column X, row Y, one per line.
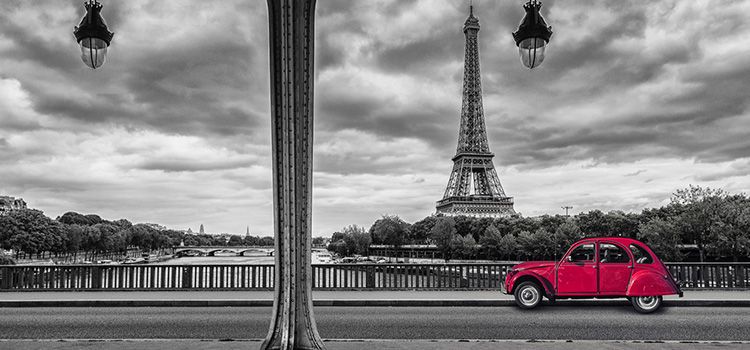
column 450, row 276
column 711, row 275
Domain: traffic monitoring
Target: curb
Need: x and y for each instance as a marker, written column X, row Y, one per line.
column 350, row 303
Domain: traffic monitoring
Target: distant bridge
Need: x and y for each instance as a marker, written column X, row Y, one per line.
column 212, row 250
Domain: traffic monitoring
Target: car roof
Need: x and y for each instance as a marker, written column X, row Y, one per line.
column 621, row 240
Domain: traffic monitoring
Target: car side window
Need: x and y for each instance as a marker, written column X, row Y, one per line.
column 612, row 254
column 583, row 253
column 640, row 255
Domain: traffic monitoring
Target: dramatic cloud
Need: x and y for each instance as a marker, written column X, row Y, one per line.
column 634, row 100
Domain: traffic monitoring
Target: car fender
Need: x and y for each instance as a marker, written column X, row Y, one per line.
column 526, row 275
column 649, row 283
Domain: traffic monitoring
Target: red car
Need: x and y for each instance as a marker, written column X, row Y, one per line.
column 602, row 267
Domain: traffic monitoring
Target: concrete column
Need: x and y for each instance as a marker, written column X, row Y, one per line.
column 291, row 41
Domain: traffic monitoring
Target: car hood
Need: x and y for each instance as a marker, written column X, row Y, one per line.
column 534, row 265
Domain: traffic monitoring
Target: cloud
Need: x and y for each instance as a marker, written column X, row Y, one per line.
column 634, row 100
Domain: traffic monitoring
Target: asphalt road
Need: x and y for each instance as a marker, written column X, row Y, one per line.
column 551, row 322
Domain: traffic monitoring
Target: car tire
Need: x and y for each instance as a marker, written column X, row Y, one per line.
column 647, row 304
column 528, row 295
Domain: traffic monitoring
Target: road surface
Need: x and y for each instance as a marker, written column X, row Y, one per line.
column 551, row 322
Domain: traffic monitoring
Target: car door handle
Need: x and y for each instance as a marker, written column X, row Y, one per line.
column 596, row 267
column 630, row 267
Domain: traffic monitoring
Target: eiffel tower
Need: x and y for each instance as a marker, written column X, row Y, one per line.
column 474, row 188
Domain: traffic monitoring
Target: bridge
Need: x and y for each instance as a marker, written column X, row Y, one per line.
column 212, row 250
column 384, row 277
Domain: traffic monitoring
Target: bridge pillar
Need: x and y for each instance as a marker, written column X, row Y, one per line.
column 292, row 52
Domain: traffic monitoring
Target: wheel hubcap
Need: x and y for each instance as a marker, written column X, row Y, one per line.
column 647, row 302
column 529, row 296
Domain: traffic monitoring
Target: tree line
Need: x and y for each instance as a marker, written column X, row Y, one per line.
column 714, row 223
column 31, row 234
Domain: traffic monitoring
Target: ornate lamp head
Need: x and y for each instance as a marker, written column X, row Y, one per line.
column 93, row 36
column 532, row 35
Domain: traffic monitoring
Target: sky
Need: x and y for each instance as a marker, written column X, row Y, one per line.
column 634, row 100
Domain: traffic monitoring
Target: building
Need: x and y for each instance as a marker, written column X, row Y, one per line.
column 8, row 204
column 474, row 188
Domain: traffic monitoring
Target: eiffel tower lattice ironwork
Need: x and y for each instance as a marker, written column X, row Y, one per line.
column 474, row 188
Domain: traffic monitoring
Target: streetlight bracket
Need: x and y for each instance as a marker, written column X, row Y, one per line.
column 532, row 25
column 93, row 25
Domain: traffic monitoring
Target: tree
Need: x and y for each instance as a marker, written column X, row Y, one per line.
column 730, row 234
column 490, row 242
column 463, row 247
column 663, row 237
column 508, row 247
column 698, row 209
column 390, row 230
column 442, row 234
column 520, row 224
column 544, row 246
column 420, row 230
column 73, row 218
column 7, row 260
column 537, row 245
column 357, row 239
column 29, row 231
column 352, row 240
column 74, row 235
column 566, row 234
column 463, row 224
column 249, row 240
column 551, row 223
column 267, row 241
column 339, row 247
column 318, row 241
column 94, row 219
column 235, row 240
column 593, row 223
column 622, row 224
column 478, row 226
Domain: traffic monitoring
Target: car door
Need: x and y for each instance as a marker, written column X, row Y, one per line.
column 577, row 273
column 615, row 268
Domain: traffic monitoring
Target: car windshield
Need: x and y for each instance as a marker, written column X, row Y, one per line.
column 640, row 255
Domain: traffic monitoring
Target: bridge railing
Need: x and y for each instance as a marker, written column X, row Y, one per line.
column 324, row 277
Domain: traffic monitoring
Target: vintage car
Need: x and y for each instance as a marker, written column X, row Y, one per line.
column 602, row 267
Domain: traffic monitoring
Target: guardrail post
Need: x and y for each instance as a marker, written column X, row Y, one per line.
column 464, row 276
column 96, row 277
column 5, row 278
column 187, row 277
column 370, row 277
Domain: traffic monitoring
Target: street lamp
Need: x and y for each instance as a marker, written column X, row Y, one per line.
column 93, row 36
column 291, row 41
column 532, row 35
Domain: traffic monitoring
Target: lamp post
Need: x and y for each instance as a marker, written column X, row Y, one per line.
column 291, row 32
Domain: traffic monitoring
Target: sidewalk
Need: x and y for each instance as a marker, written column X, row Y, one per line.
column 331, row 298
column 336, row 344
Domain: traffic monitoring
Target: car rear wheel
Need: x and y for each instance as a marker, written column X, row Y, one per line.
column 646, row 305
column 528, row 295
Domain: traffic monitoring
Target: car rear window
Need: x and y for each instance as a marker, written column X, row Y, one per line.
column 612, row 254
column 640, row 255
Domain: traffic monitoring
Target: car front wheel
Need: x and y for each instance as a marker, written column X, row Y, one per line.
column 528, row 295
column 646, row 305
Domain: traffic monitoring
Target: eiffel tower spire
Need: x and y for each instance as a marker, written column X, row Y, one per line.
column 474, row 188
